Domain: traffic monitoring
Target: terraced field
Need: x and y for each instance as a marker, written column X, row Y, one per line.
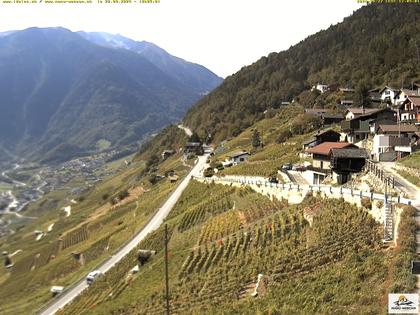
column 214, row 263
column 79, row 242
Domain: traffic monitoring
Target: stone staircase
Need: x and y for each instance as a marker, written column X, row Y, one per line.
column 388, row 222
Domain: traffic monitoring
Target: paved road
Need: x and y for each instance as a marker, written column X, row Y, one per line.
column 187, row 130
column 153, row 224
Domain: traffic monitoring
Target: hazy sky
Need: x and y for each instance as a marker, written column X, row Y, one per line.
column 223, row 35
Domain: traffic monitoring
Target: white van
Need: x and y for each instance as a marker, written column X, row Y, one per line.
column 92, row 276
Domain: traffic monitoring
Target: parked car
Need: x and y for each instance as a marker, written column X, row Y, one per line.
column 273, row 179
column 286, row 167
column 92, row 276
column 56, row 290
column 298, row 168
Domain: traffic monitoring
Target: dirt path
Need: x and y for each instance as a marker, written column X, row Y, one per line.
column 187, row 130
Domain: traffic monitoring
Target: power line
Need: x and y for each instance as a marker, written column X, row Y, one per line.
column 166, row 270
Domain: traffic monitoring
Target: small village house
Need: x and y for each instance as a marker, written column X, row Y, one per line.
column 403, row 94
column 346, row 161
column 409, row 110
column 167, row 153
column 321, row 136
column 374, row 95
column 327, row 117
column 194, row 147
column 394, row 141
column 346, row 103
column 238, row 157
column 321, row 166
column 388, row 94
column 361, row 124
column 416, row 87
column 320, row 87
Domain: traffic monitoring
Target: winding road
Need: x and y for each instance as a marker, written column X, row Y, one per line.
column 67, row 296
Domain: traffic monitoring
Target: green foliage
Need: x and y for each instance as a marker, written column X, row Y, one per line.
column 195, row 138
column 402, row 279
column 360, row 52
column 170, row 138
column 153, row 179
column 256, row 139
column 123, row 194
column 413, row 160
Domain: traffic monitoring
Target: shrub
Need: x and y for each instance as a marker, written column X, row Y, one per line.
column 153, row 179
column 366, row 203
column 123, row 194
column 283, row 136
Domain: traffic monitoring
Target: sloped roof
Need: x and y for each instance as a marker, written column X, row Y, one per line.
column 415, row 100
column 324, row 131
column 410, row 92
column 349, row 153
column 396, row 128
column 325, row 147
column 363, row 111
column 316, row 111
column 237, row 154
column 193, row 144
column 390, row 88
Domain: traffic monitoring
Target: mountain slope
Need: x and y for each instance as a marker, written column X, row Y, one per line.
column 61, row 91
column 378, row 44
column 198, row 77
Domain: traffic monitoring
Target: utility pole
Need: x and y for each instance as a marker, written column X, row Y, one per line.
column 166, row 270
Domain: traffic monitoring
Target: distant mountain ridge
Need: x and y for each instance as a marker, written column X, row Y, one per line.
column 60, row 94
column 186, row 72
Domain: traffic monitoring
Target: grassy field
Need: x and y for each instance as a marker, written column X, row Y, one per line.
column 221, row 238
column 5, row 187
column 410, row 177
column 95, row 228
column 412, row 160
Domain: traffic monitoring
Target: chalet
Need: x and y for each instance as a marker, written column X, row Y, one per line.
column 361, row 123
column 352, row 113
column 321, row 136
column 403, row 94
column 347, row 90
column 238, row 157
column 396, row 130
column 167, row 153
column 409, row 110
column 320, row 87
column 194, row 147
column 346, row 102
column 374, row 95
column 321, row 160
column 345, row 161
column 388, row 94
column 326, row 116
column 173, row 178
column 316, row 111
column 394, row 141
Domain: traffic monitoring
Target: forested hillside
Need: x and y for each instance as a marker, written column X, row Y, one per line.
column 378, row 44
